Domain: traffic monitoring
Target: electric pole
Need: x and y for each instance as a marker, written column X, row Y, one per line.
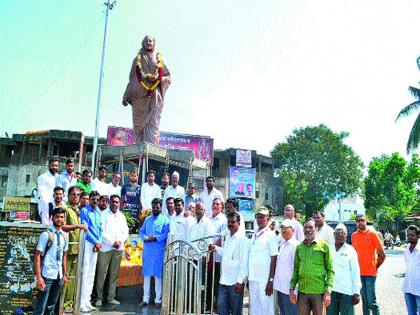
column 109, row 6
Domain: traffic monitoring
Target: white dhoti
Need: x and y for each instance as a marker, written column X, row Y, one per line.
column 260, row 303
column 146, row 289
column 88, row 274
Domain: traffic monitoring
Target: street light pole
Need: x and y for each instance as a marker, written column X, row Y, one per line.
column 109, row 6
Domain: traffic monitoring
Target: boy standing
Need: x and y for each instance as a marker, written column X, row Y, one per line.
column 50, row 270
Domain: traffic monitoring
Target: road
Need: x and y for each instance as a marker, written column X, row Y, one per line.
column 388, row 287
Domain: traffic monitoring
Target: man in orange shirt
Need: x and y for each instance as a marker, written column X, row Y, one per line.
column 371, row 255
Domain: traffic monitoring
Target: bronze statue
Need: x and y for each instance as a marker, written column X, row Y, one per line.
column 148, row 81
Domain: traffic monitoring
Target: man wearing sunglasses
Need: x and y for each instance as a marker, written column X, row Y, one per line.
column 371, row 255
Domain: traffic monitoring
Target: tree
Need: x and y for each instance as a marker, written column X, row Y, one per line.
column 314, row 164
column 391, row 187
column 414, row 137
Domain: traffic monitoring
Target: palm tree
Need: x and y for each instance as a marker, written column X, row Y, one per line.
column 414, row 137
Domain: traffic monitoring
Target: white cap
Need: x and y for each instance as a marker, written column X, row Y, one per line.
column 287, row 223
column 341, row 226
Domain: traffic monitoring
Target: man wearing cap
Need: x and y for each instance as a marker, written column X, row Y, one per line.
column 99, row 184
column 313, row 271
column 154, row 233
column 346, row 289
column 262, row 265
column 289, row 213
column 284, row 268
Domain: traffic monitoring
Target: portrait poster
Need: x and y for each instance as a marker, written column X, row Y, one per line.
column 246, row 205
column 243, row 158
column 119, row 136
column 202, row 146
column 242, row 182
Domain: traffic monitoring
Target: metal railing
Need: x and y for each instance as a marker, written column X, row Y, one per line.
column 189, row 276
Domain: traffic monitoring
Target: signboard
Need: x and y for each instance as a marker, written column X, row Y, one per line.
column 17, row 281
column 16, row 204
column 119, row 136
column 202, row 146
column 20, row 215
column 243, row 158
column 242, row 182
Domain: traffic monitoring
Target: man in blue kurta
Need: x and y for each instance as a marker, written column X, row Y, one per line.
column 154, row 233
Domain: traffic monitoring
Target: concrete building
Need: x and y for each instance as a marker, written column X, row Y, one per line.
column 347, row 206
column 267, row 190
column 23, row 157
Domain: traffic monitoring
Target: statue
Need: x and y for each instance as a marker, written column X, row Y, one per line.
column 148, row 81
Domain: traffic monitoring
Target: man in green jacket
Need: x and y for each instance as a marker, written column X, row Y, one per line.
column 313, row 273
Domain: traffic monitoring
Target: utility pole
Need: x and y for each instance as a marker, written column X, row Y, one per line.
column 109, row 6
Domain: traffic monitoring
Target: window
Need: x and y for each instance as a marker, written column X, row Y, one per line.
column 3, row 181
column 28, row 179
column 266, row 196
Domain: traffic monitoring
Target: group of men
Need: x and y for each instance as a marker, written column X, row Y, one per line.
column 310, row 268
column 92, row 207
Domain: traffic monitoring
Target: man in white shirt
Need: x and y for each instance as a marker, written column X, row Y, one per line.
column 324, row 231
column 411, row 286
column 114, row 187
column 46, row 184
column 208, row 195
column 175, row 191
column 67, row 178
column 347, row 284
column 115, row 233
column 98, row 184
column 180, row 225
column 57, row 202
column 284, row 268
column 262, row 265
column 149, row 191
column 289, row 213
column 231, row 205
column 202, row 226
column 234, row 268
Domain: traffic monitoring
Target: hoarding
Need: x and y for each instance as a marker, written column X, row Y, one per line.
column 17, row 204
column 242, row 182
column 119, row 136
column 202, row 146
column 243, row 158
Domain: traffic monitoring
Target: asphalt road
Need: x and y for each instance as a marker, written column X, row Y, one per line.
column 389, row 292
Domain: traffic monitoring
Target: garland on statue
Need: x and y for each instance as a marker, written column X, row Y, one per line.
column 157, row 75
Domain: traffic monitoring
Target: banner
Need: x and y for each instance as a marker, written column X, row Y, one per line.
column 119, row 136
column 202, row 146
column 242, row 182
column 243, row 158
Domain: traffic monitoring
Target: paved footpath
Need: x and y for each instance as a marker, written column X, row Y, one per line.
column 389, row 292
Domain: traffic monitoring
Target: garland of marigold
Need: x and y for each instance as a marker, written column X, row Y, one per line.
column 157, row 75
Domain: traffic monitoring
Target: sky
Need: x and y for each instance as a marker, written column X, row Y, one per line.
column 245, row 73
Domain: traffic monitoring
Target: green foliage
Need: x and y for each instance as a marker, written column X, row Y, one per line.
column 392, row 187
column 414, row 137
column 314, row 163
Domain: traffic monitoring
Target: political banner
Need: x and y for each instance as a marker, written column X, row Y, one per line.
column 242, row 182
column 119, row 136
column 243, row 158
column 202, row 146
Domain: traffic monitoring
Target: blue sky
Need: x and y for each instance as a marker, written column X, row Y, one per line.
column 244, row 72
